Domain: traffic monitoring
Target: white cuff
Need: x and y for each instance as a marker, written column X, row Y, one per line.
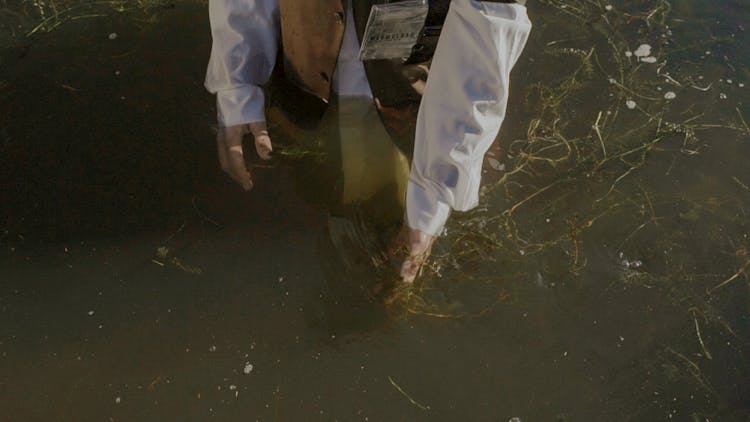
column 245, row 104
column 425, row 212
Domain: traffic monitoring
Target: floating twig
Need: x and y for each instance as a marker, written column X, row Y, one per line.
column 747, row 128
column 739, row 182
column 740, row 272
column 401, row 390
column 700, row 339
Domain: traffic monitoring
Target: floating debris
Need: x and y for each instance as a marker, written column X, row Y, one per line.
column 723, row 96
column 670, row 95
column 628, row 54
column 631, row 265
column 704, row 89
column 630, row 104
column 112, row 36
column 649, row 59
column 643, row 50
column 212, row 348
column 608, row 7
column 496, row 164
column 248, row 368
column 91, row 313
column 401, row 390
column 118, row 400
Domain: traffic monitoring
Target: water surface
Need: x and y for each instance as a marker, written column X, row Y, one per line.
column 603, row 277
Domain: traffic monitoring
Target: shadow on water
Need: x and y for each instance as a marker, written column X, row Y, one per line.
column 603, row 277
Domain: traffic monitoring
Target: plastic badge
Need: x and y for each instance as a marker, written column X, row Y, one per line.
column 393, row 29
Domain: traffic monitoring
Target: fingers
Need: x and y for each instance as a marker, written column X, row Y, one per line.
column 262, row 140
column 233, row 161
column 263, row 146
column 420, row 246
column 222, row 150
column 418, row 86
column 231, row 154
column 385, row 110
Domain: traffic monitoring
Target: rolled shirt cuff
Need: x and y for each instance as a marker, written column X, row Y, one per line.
column 424, row 211
column 241, row 105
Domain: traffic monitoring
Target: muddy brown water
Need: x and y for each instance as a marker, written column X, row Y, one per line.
column 138, row 283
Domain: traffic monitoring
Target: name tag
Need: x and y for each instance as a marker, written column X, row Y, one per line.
column 393, row 29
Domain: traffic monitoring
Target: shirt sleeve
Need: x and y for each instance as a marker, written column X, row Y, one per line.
column 463, row 107
column 245, row 42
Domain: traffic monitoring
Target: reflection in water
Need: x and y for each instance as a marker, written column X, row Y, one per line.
column 350, row 160
column 371, row 162
column 528, row 305
column 359, row 161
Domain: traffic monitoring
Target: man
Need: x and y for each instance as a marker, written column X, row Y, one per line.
column 462, row 107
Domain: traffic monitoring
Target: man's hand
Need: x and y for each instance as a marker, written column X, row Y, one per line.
column 231, row 155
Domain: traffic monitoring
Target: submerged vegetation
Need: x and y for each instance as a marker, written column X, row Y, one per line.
column 629, row 161
column 624, row 168
column 22, row 19
column 610, row 125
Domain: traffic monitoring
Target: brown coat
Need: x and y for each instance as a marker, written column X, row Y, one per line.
column 312, row 32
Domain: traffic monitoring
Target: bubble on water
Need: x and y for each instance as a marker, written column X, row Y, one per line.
column 630, row 104
column 248, row 368
column 670, row 95
column 112, row 36
column 212, row 348
column 723, row 96
column 608, row 7
column 643, row 50
column 496, row 165
column 729, row 81
column 649, row 59
column 118, row 400
column 628, row 54
column 741, row 85
column 631, row 265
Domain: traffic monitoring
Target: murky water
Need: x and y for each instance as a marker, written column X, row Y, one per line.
column 604, row 277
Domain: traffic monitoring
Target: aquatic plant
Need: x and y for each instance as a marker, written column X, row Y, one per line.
column 22, row 19
column 612, row 169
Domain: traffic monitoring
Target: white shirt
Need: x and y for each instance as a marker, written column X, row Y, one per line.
column 461, row 112
column 245, row 39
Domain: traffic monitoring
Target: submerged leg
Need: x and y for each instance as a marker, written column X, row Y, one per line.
column 462, row 109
